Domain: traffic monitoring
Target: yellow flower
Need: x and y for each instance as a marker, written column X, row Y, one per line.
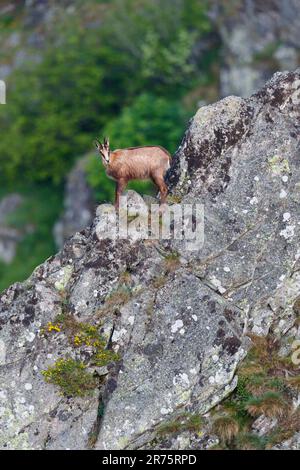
column 77, row 340
column 52, row 327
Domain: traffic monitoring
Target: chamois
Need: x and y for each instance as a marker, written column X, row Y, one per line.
column 150, row 162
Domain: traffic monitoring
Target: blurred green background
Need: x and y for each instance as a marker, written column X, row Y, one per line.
column 134, row 70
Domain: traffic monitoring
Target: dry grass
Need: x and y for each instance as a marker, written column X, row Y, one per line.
column 149, row 309
column 184, row 422
column 171, row 263
column 115, row 300
column 296, row 307
column 294, row 382
column 159, row 281
column 125, row 279
column 263, row 350
column 270, row 404
column 226, row 428
column 266, row 387
column 288, row 425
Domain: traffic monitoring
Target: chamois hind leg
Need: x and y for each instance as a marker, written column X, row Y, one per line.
column 163, row 188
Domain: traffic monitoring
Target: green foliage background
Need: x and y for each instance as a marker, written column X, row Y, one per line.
column 125, row 74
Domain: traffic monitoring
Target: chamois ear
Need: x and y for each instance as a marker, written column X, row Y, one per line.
column 106, row 142
column 98, row 144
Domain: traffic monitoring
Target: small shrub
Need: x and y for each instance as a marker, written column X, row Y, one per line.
column 81, row 335
column 103, row 356
column 174, row 199
column 71, row 376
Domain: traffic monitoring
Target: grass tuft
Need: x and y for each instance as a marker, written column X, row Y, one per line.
column 184, row 422
column 270, row 404
column 226, row 428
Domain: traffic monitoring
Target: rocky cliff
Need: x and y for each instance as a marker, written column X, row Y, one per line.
column 9, row 237
column 258, row 39
column 111, row 341
column 78, row 204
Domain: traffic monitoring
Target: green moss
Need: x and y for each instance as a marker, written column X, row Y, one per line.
column 71, row 377
column 173, row 255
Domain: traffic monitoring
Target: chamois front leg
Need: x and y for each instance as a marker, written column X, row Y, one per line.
column 120, row 186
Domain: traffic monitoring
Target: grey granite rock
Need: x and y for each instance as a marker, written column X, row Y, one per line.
column 78, row 204
column 290, row 444
column 258, row 39
column 9, row 236
column 178, row 330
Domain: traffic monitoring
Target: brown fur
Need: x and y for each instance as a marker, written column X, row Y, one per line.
column 123, row 165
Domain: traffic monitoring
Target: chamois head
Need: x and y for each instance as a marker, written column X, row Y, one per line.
column 104, row 150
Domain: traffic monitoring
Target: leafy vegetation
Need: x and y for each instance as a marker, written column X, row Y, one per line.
column 71, row 376
column 87, row 75
column 122, row 68
column 82, row 335
column 35, row 219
